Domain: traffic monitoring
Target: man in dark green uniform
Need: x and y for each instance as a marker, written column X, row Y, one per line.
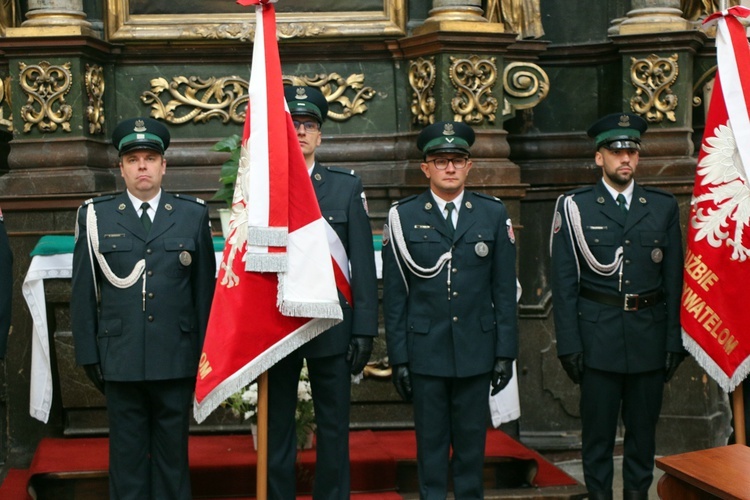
column 449, row 302
column 143, row 279
column 336, row 354
column 616, row 283
column 6, row 286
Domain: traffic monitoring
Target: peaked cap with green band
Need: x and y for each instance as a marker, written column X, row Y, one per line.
column 445, row 137
column 618, row 131
column 306, row 101
column 140, row 133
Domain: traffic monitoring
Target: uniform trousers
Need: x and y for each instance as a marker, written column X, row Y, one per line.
column 450, row 412
column 603, row 396
column 148, row 439
column 330, row 381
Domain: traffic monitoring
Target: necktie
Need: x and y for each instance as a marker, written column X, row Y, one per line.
column 450, row 207
column 145, row 219
column 622, row 204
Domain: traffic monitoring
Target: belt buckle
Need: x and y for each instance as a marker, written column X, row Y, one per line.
column 628, row 305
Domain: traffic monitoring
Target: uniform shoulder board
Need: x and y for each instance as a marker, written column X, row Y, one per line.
column 340, row 170
column 489, row 197
column 656, row 190
column 98, row 199
column 580, row 190
column 403, row 200
column 187, row 197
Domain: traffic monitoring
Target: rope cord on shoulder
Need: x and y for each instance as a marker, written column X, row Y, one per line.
column 93, row 241
column 573, row 216
column 397, row 235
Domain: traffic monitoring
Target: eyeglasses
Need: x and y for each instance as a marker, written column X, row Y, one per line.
column 309, row 126
column 442, row 163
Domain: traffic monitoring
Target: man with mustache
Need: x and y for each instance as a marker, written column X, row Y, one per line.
column 616, row 283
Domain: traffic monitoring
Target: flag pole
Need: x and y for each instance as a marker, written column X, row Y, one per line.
column 738, row 410
column 261, row 481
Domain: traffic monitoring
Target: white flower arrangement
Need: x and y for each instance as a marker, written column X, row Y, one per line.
column 244, row 404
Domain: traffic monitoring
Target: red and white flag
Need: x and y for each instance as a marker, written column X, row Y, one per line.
column 275, row 288
column 714, row 315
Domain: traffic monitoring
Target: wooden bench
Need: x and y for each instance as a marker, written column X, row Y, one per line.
column 722, row 472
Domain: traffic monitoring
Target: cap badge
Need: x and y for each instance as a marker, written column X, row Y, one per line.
column 448, row 129
column 624, row 121
column 301, row 94
column 139, row 126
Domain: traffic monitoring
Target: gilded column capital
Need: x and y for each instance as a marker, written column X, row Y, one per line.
column 654, row 16
column 463, row 16
column 53, row 18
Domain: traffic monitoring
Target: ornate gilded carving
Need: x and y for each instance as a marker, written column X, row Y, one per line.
column 199, row 100
column 246, row 31
column 422, row 76
column 653, row 78
column 517, row 16
column 220, row 19
column 473, row 79
column 45, row 86
column 5, row 102
column 695, row 10
column 94, row 80
column 525, row 85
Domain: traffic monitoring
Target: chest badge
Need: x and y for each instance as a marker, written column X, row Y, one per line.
column 657, row 255
column 185, row 258
column 481, row 249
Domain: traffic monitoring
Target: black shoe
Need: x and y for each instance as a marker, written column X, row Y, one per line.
column 600, row 495
column 634, row 495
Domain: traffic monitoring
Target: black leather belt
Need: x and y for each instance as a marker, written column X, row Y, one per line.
column 629, row 301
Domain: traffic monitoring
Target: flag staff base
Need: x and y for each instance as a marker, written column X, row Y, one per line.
column 738, row 410
column 261, row 481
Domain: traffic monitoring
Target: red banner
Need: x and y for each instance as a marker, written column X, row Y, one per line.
column 275, row 288
column 713, row 315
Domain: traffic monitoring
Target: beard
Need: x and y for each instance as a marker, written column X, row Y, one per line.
column 619, row 179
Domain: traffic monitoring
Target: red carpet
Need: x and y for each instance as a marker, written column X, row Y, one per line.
column 14, row 485
column 224, row 465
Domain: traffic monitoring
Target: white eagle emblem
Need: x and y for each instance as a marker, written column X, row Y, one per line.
column 727, row 199
column 237, row 237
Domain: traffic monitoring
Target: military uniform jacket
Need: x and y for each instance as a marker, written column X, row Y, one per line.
column 6, row 287
column 134, row 336
column 341, row 201
column 611, row 338
column 456, row 330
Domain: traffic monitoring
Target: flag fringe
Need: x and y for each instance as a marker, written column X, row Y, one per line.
column 728, row 384
column 266, row 262
column 259, row 365
column 267, row 236
column 307, row 310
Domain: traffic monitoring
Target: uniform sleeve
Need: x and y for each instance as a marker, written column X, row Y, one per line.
column 364, row 283
column 504, row 290
column 83, row 310
column 6, row 288
column 564, row 280
column 673, row 279
column 204, row 274
column 395, row 302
